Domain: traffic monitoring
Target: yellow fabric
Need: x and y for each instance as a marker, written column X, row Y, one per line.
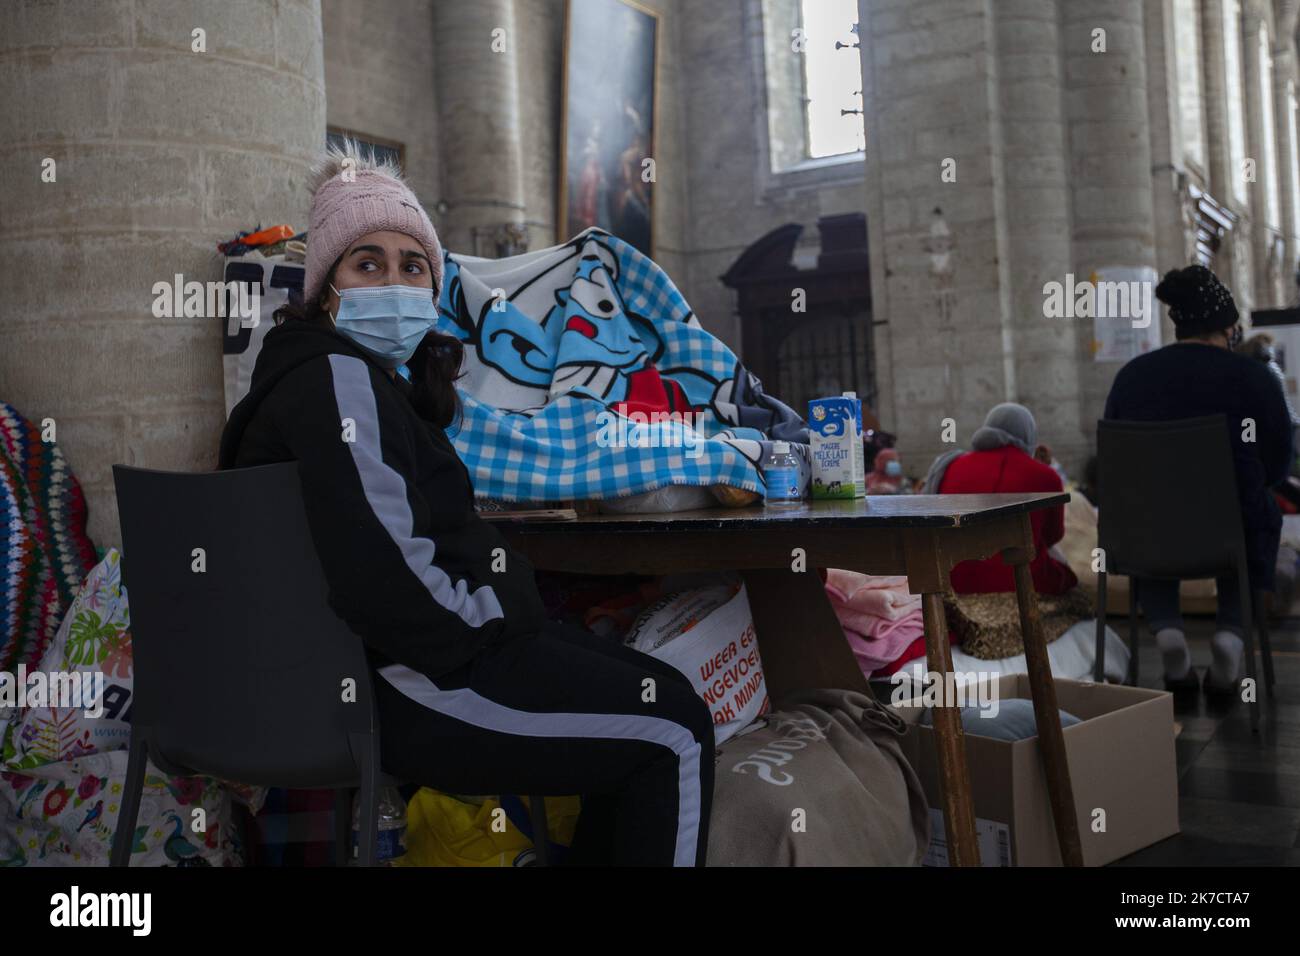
column 442, row 830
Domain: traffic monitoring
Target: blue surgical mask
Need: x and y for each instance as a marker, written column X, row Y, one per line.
column 386, row 322
column 893, row 469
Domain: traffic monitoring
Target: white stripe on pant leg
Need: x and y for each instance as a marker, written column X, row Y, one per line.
column 478, row 711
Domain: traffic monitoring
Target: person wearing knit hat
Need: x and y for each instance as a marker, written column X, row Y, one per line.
column 1002, row 460
column 351, row 200
column 1200, row 375
column 472, row 682
column 1200, row 306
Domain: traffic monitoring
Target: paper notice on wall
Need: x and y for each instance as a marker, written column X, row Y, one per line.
column 994, row 841
column 1125, row 314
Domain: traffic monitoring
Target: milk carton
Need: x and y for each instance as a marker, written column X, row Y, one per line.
column 835, row 430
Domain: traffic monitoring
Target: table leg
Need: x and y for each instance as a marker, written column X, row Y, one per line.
column 950, row 742
column 1046, row 714
column 799, row 637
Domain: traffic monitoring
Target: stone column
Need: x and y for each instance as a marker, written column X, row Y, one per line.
column 1288, row 162
column 158, row 153
column 938, row 242
column 540, row 112
column 1258, row 129
column 1215, row 92
column 1174, row 235
column 1113, row 215
column 479, row 119
column 1221, row 26
column 1035, row 164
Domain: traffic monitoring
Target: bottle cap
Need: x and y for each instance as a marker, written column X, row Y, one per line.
column 780, row 448
column 850, row 394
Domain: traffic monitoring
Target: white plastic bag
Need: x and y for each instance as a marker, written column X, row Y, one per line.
column 707, row 633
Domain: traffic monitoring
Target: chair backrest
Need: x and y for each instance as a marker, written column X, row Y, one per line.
column 240, row 664
column 1167, row 498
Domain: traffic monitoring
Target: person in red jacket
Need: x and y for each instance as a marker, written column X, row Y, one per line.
column 1002, row 461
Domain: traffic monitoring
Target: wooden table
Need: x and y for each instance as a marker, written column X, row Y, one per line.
column 778, row 550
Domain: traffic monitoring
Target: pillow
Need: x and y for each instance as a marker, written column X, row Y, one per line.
column 93, row 643
column 1013, row 721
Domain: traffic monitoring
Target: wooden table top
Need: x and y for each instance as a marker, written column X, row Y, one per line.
column 872, row 512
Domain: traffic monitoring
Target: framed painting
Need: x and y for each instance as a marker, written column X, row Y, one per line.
column 607, row 138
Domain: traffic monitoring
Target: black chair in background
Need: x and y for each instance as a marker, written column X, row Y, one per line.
column 1168, row 508
column 241, row 667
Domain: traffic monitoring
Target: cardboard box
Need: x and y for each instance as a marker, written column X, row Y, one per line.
column 1121, row 759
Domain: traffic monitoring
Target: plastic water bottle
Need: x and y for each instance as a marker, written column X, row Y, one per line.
column 391, row 844
column 781, row 473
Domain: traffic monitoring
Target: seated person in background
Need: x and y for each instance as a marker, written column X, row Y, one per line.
column 1002, row 462
column 886, row 475
column 1200, row 375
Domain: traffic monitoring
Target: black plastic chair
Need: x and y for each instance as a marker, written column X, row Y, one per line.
column 1168, row 509
column 241, row 667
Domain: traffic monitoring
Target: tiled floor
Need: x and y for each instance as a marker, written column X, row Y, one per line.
column 1239, row 792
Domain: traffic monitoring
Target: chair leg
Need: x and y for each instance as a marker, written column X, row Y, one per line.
column 363, row 745
column 1133, row 630
column 124, row 835
column 343, row 825
column 1099, row 669
column 1265, row 643
column 541, row 831
column 1248, row 625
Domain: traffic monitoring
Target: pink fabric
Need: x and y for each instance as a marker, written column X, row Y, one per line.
column 886, row 642
column 342, row 212
column 866, row 594
column 880, row 617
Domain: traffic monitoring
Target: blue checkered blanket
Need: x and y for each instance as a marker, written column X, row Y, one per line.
column 587, row 375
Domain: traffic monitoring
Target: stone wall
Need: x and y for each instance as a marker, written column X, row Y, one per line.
column 159, row 152
column 380, row 81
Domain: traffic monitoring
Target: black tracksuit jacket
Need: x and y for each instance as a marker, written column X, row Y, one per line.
column 410, row 564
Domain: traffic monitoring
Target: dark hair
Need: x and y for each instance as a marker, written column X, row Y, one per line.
column 434, row 368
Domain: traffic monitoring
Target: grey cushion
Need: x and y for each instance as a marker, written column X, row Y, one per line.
column 1014, row 720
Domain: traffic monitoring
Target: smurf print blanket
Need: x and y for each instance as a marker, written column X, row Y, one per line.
column 587, row 375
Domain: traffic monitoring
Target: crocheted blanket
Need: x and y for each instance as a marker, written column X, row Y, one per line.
column 45, row 553
column 588, row 376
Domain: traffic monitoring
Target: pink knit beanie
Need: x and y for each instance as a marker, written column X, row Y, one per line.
column 342, row 212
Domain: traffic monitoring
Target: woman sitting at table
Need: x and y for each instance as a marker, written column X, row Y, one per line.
column 1002, row 461
column 477, row 692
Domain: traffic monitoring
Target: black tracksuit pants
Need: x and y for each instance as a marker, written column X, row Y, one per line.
column 564, row 712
